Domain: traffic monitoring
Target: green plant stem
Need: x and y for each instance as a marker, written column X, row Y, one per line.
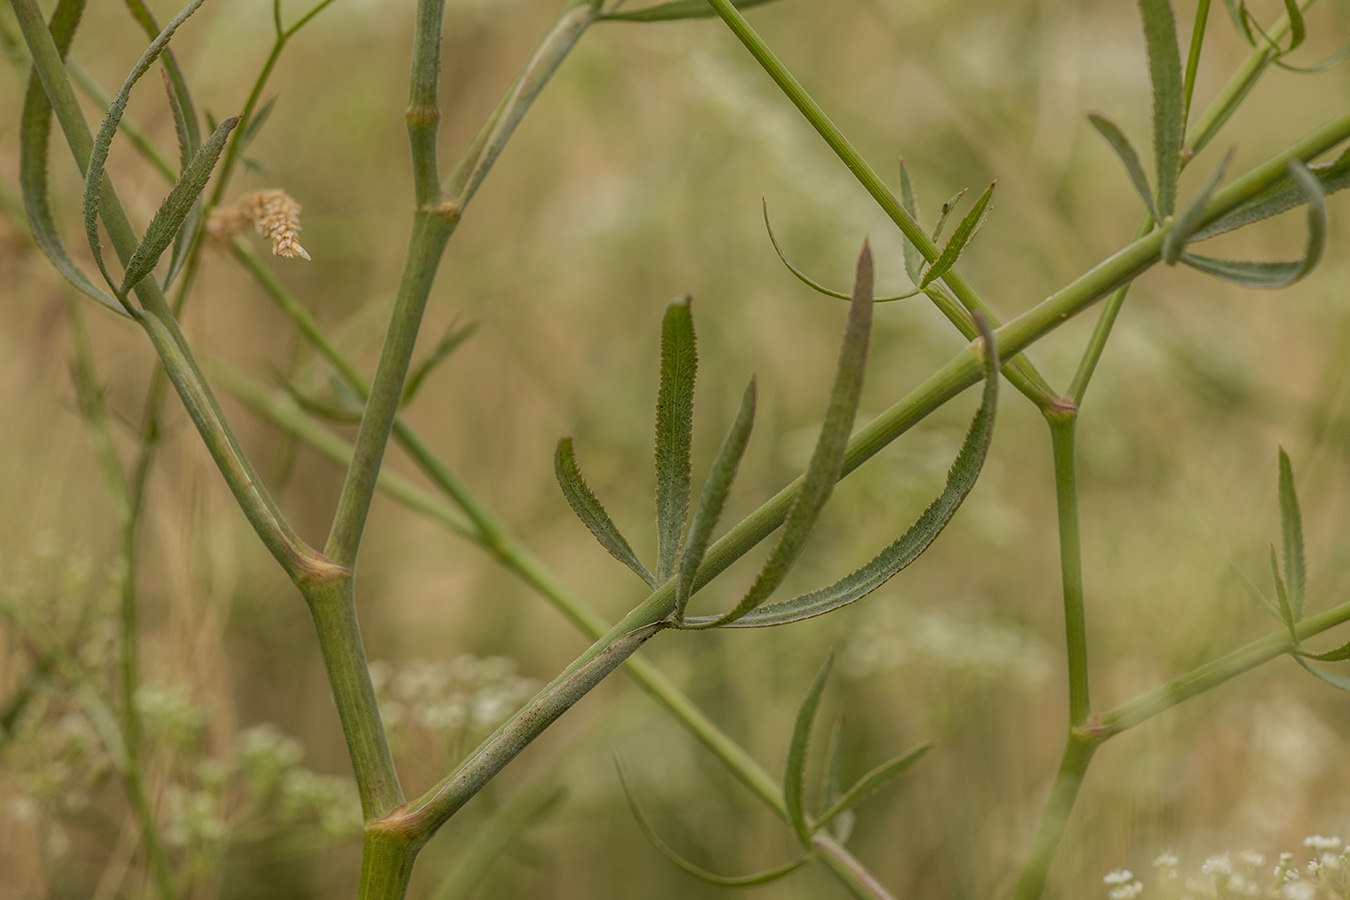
column 1211, row 674
column 468, row 174
column 386, row 868
column 1193, row 56
column 333, row 607
column 157, row 319
column 494, row 536
column 1063, row 793
column 126, row 500
column 1063, row 424
column 431, row 232
column 1019, row 370
column 424, row 107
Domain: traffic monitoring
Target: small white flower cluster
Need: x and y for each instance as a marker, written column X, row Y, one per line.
column 442, row 697
column 1230, row 876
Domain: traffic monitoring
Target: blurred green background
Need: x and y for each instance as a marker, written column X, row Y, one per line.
column 638, row 177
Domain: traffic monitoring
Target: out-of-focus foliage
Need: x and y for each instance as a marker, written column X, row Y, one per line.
column 638, row 177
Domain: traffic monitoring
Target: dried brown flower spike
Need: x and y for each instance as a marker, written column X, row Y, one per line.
column 273, row 213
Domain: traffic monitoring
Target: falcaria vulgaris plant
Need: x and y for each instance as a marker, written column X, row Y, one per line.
column 144, row 276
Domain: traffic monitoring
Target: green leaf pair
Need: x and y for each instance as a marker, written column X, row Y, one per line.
column 1291, row 587
column 674, row 428
column 838, row 804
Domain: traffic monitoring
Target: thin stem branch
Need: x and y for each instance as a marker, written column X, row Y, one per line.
column 1019, row 371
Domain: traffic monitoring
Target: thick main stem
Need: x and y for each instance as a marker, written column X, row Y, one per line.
column 1063, row 424
column 1063, row 793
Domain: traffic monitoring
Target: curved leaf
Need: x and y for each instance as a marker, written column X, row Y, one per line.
column 450, row 342
column 819, row 288
column 827, row 461
column 765, row 877
column 1282, row 597
column 970, row 224
column 674, row 425
column 945, row 212
column 1340, row 654
column 1283, row 195
column 1185, row 225
column 1335, row 681
column 592, row 514
column 913, row 258
column 98, row 156
column 873, row 781
column 1127, row 155
column 1291, row 529
column 960, row 479
column 176, row 208
column 794, row 777
column 713, row 499
column 1277, row 274
column 675, row 10
column 1164, row 68
column 34, row 140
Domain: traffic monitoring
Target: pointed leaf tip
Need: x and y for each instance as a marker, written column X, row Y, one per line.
column 674, row 429
column 592, row 514
column 794, row 778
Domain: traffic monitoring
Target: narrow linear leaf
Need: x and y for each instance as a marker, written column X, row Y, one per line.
column 714, row 497
column 451, row 341
column 649, row 832
column 1340, row 654
column 829, row 786
column 182, row 241
column 176, row 208
column 872, row 782
column 1198, row 31
column 1331, row 61
column 1238, row 14
column 98, row 156
column 1255, row 593
column 1282, row 196
column 1277, row 274
column 970, row 224
column 674, row 426
column 961, row 478
column 180, row 125
column 675, row 11
column 592, row 514
column 827, row 461
column 816, row 286
column 913, row 259
column 183, row 97
column 331, row 413
column 34, row 141
column 1335, row 681
column 945, row 212
column 1282, row 597
column 1127, row 155
column 1164, row 67
column 794, row 777
column 255, row 124
column 1291, row 530
column 1188, row 222
column 1297, row 29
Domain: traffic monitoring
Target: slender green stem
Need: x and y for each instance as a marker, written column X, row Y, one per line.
column 1213, row 674
column 126, row 500
column 424, row 107
column 431, row 232
column 1193, row 57
column 1072, row 768
column 1101, row 333
column 1063, row 424
column 468, row 174
column 1019, row 371
column 333, row 607
column 225, row 168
